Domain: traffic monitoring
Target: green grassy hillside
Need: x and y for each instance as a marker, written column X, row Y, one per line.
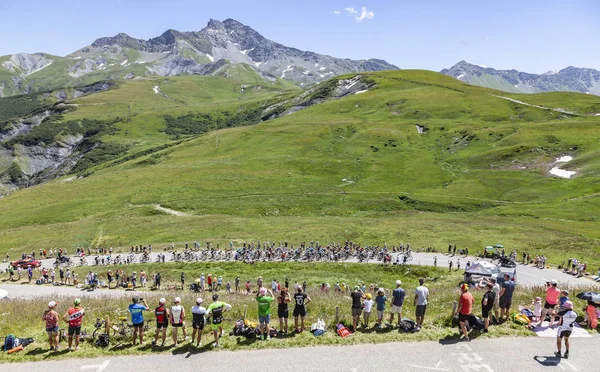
column 354, row 168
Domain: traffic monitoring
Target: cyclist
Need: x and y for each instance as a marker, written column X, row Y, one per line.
column 198, row 313
column 216, row 310
column 74, row 316
column 162, row 321
column 137, row 318
column 177, row 319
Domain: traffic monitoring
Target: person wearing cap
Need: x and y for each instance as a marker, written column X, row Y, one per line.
column 216, row 311
column 162, row 321
column 464, row 310
column 51, row 318
column 567, row 320
column 421, row 298
column 198, row 321
column 264, row 311
column 356, row 295
column 300, row 301
column 136, row 311
column 506, row 294
column 74, row 316
column 177, row 319
column 552, row 294
column 398, row 296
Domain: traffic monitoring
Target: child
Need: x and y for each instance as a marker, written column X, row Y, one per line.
column 368, row 306
column 380, row 301
column 537, row 309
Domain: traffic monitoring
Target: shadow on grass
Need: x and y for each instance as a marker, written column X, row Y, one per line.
column 57, row 353
column 455, row 338
column 121, row 346
column 38, row 351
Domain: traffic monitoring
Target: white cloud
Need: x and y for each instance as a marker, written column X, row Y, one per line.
column 336, row 12
column 364, row 13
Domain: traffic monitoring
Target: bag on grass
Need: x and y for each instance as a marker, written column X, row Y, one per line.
column 342, row 331
column 103, row 340
column 407, row 325
column 476, row 323
column 9, row 342
column 521, row 319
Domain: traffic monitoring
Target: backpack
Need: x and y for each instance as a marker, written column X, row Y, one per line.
column 476, row 323
column 407, row 325
column 10, row 342
column 102, row 341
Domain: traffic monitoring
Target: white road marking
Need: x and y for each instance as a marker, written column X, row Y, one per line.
column 523, row 272
column 570, row 365
column 97, row 367
column 428, row 368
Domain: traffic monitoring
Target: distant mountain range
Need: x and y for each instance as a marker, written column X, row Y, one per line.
column 211, row 51
column 570, row 79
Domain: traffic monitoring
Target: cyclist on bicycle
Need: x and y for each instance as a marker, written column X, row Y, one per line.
column 137, row 318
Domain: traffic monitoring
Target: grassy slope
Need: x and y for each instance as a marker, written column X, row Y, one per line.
column 461, row 182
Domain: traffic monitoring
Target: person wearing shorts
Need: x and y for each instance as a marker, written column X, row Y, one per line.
column 51, row 318
column 136, row 310
column 380, row 300
column 300, row 301
column 162, row 321
column 506, row 294
column 567, row 319
column 198, row 321
column 487, row 304
column 552, row 295
column 398, row 296
column 421, row 298
column 357, row 296
column 216, row 311
column 177, row 319
column 465, row 307
column 283, row 311
column 74, row 316
column 264, row 311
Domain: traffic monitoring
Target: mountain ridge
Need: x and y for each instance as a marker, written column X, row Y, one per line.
column 568, row 79
column 175, row 53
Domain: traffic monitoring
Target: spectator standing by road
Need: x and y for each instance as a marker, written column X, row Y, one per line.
column 300, row 300
column 421, row 299
column 51, row 318
column 552, row 295
column 380, row 300
column 264, row 311
column 74, row 316
column 465, row 307
column 506, row 294
column 487, row 304
column 357, row 295
column 567, row 319
column 162, row 321
column 198, row 321
column 398, row 296
column 136, row 310
column 283, row 312
column 177, row 319
column 216, row 311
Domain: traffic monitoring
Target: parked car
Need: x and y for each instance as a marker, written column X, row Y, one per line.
column 26, row 263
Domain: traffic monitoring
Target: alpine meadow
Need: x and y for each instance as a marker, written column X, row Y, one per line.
column 410, row 156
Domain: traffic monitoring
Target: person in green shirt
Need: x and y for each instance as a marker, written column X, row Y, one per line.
column 216, row 311
column 264, row 311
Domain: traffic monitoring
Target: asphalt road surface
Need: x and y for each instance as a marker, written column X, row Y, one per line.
column 526, row 274
column 505, row 354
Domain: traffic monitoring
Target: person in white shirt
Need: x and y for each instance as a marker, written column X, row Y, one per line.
column 368, row 306
column 567, row 320
column 198, row 314
column 421, row 298
column 177, row 319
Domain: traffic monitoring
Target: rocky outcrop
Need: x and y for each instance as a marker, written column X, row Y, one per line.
column 23, row 126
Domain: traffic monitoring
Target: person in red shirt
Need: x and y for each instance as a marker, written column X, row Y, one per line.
column 74, row 317
column 465, row 307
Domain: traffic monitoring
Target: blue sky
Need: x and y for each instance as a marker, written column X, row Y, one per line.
column 527, row 35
